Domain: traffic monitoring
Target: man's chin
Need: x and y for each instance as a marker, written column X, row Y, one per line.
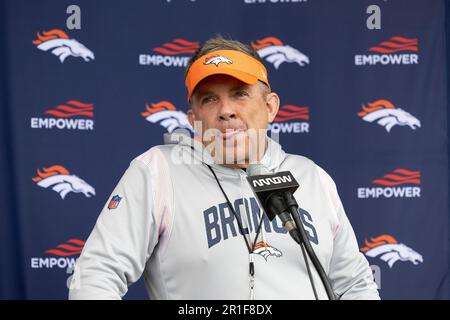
column 239, row 152
column 233, row 156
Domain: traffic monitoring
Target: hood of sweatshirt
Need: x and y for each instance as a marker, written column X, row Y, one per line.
column 189, row 148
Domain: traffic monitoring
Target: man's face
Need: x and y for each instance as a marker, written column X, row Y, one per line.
column 234, row 118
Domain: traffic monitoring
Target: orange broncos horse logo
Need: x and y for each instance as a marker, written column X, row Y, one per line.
column 57, row 42
column 389, row 250
column 60, row 180
column 266, row 250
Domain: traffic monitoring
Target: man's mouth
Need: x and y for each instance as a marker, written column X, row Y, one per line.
column 230, row 133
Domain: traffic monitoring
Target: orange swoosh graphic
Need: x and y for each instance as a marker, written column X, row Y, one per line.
column 50, row 171
column 266, row 42
column 398, row 177
column 290, row 112
column 72, row 108
column 156, row 107
column 378, row 241
column 396, row 44
column 68, row 249
column 49, row 35
column 177, row 47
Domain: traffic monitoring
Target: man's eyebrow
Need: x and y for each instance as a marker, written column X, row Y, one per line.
column 201, row 93
column 240, row 87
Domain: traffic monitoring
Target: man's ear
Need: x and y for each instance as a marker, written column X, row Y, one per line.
column 273, row 104
column 191, row 117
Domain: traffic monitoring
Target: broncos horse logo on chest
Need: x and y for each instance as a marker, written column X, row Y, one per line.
column 265, row 250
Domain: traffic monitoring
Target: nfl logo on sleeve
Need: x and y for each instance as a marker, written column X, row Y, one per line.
column 114, row 203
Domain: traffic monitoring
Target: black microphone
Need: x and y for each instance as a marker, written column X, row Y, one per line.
column 269, row 189
column 274, row 192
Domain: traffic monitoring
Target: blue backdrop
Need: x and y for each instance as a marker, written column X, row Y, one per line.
column 369, row 106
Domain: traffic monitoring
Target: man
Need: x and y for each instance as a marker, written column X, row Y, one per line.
column 185, row 217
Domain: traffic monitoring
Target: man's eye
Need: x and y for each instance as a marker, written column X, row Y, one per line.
column 208, row 99
column 242, row 93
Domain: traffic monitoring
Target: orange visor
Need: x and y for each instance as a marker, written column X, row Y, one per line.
column 230, row 62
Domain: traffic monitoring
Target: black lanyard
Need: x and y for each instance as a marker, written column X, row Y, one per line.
column 249, row 248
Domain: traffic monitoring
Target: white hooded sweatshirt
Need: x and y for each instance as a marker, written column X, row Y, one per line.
column 173, row 225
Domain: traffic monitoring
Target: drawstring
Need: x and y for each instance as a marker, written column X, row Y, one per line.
column 250, row 248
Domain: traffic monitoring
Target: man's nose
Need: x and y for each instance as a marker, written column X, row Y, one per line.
column 227, row 111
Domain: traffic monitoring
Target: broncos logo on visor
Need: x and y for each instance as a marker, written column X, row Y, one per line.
column 217, row 59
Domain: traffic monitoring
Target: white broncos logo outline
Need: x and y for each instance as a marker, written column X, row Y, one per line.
column 165, row 114
column 388, row 116
column 58, row 42
column 266, row 250
column 390, row 250
column 275, row 52
column 61, row 181
column 218, row 59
